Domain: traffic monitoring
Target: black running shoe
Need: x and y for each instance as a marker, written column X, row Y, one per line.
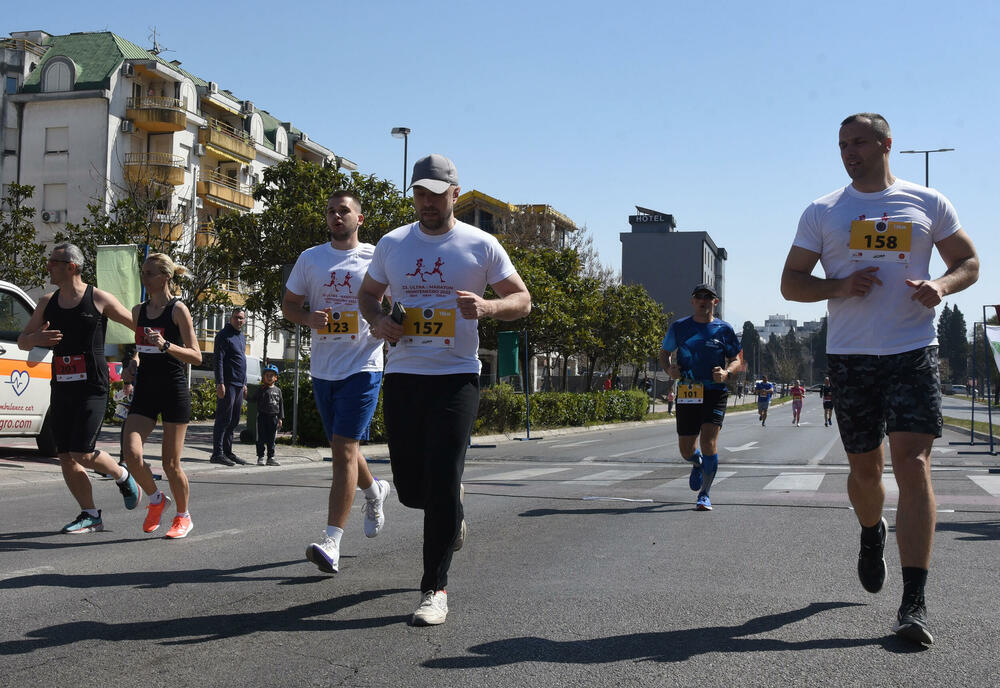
column 871, row 562
column 911, row 622
column 221, row 460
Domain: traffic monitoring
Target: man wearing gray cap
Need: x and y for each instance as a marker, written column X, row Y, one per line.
column 707, row 353
column 437, row 269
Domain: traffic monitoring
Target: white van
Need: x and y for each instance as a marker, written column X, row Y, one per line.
column 25, row 376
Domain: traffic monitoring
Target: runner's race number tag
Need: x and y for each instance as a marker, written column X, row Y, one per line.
column 69, row 368
column 340, row 326
column 690, row 393
column 882, row 241
column 430, row 327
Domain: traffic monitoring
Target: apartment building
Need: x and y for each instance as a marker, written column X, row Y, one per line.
column 86, row 114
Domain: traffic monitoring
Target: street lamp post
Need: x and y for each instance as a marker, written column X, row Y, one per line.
column 927, row 161
column 402, row 133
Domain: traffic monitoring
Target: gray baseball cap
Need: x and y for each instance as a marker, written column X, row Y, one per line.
column 435, row 173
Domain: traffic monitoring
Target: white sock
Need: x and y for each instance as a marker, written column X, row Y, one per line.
column 93, row 512
column 184, row 514
column 372, row 491
column 124, row 477
column 156, row 498
column 335, row 533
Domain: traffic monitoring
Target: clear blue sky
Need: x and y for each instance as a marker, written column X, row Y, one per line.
column 723, row 114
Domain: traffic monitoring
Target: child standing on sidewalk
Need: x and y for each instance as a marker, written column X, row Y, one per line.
column 270, row 412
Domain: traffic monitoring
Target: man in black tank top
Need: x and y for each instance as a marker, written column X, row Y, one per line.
column 72, row 322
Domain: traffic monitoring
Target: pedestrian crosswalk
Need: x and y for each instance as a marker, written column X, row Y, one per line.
column 670, row 479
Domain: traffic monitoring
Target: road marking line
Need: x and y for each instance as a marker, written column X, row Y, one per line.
column 683, row 482
column 990, row 483
column 821, row 454
column 525, row 474
column 575, row 444
column 796, row 481
column 26, row 572
column 634, row 451
column 605, row 478
column 213, row 535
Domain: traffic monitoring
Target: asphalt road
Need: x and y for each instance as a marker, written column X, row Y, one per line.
column 585, row 565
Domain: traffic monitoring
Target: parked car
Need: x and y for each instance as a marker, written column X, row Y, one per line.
column 25, row 376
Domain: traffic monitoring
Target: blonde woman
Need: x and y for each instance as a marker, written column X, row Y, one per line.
column 165, row 340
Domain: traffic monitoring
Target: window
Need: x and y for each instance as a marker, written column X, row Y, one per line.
column 56, row 140
column 58, row 77
column 14, row 315
column 11, row 85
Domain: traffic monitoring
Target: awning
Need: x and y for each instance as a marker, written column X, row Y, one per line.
column 220, row 203
column 226, row 155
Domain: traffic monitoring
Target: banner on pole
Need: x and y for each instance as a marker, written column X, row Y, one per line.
column 508, row 359
column 993, row 337
column 118, row 274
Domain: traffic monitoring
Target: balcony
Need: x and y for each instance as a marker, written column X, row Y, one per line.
column 167, row 227
column 224, row 192
column 205, row 236
column 161, row 168
column 227, row 142
column 157, row 114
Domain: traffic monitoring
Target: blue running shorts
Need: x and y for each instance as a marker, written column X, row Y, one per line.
column 347, row 406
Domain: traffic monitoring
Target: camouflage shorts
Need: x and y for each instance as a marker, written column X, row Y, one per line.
column 874, row 395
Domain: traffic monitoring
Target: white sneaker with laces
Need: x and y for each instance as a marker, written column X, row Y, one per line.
column 326, row 556
column 374, row 510
column 433, row 608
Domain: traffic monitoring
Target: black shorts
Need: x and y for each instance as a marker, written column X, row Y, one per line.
column 875, row 395
column 690, row 417
column 76, row 420
column 828, row 404
column 171, row 400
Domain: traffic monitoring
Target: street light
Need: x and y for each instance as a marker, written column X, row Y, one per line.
column 927, row 161
column 402, row 133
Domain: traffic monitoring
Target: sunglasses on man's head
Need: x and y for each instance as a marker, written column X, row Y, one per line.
column 703, row 295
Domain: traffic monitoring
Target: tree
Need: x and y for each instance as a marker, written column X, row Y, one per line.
column 819, row 365
column 953, row 346
column 751, row 348
column 23, row 258
column 295, row 194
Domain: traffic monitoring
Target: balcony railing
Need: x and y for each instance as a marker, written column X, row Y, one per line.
column 163, row 168
column 168, row 226
column 224, row 191
column 227, row 141
column 205, row 236
column 22, row 44
column 157, row 113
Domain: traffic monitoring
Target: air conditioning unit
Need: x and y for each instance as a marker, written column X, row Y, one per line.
column 199, row 149
column 52, row 216
column 248, row 107
column 198, row 203
column 213, row 87
column 128, row 69
column 127, row 126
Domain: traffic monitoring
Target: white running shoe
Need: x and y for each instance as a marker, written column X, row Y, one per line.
column 326, row 556
column 374, row 510
column 433, row 608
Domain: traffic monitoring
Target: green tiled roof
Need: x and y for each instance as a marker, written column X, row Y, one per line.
column 271, row 124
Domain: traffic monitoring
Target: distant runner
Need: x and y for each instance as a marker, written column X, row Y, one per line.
column 798, row 393
column 826, row 391
column 764, row 390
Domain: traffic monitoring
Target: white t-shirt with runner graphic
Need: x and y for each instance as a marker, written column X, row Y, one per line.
column 423, row 272
column 330, row 278
column 895, row 230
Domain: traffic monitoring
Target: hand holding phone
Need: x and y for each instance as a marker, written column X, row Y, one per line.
column 398, row 315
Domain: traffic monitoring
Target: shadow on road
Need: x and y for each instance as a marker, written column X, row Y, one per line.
column 663, row 646
column 981, row 531
column 201, row 629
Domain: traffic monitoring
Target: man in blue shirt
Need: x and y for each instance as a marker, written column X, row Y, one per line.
column 707, row 353
column 764, row 390
column 231, row 387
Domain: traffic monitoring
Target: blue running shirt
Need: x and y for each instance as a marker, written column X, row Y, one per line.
column 700, row 347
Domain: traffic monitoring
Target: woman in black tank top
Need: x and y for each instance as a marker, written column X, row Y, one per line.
column 166, row 344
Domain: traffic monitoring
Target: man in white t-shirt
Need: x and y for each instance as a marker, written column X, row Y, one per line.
column 345, row 364
column 875, row 238
column 438, row 269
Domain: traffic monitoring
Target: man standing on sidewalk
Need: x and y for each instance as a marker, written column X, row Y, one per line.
column 231, row 387
column 431, row 390
column 346, row 367
column 875, row 238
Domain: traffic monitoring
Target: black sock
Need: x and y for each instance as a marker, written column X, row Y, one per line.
column 914, row 580
column 872, row 534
